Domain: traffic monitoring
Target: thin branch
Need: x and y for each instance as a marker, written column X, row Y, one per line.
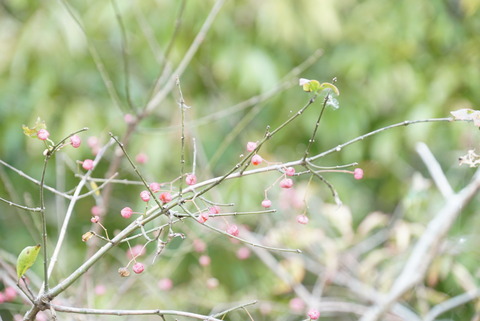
column 61, row 308
column 31, row 209
column 435, row 170
column 425, row 250
column 161, row 95
column 452, row 303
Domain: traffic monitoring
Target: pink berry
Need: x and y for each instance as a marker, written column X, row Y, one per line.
column 96, row 210
column 136, row 251
column 203, row 217
column 243, row 253
column 257, row 159
column 87, row 164
column 75, row 140
column 302, row 219
column 297, row 305
column 266, row 203
column 138, row 268
column 100, row 289
column 214, row 210
column 95, row 219
column 251, row 146
column 191, row 179
column 141, row 158
column 165, row 284
column 165, row 197
column 204, row 260
column 358, row 173
column 145, row 196
column 3, row 299
column 43, row 134
column 126, row 212
column 129, row 118
column 199, row 245
column 290, row 171
column 10, row 293
column 233, row 230
column 286, row 183
column 155, row 187
column 313, row 314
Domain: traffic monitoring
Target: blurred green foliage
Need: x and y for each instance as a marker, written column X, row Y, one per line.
column 393, row 61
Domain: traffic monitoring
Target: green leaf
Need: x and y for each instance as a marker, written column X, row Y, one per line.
column 327, row 85
column 32, row 132
column 26, row 259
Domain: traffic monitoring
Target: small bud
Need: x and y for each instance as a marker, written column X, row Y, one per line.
column 358, row 173
column 313, row 314
column 289, row 171
column 124, row 272
column 165, row 197
column 138, row 268
column 75, row 140
column 297, row 305
column 87, row 236
column 87, row 164
column 251, row 146
column 286, row 183
column 257, row 159
column 203, row 217
column 302, row 219
column 126, row 212
column 191, row 179
column 43, row 134
column 233, row 230
column 199, row 245
column 266, row 203
column 145, row 196
column 95, row 219
column 155, row 187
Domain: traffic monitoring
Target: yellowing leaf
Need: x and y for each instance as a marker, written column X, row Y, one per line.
column 26, row 259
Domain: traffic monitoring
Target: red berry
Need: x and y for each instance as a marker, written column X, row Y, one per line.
column 165, row 197
column 286, row 183
column 191, row 179
column 138, row 268
column 145, row 196
column 358, row 173
column 126, row 212
column 313, row 314
column 87, row 164
column 251, row 146
column 233, row 230
column 204, row 260
column 75, row 140
column 43, row 134
column 203, row 217
column 214, row 210
column 141, row 158
column 290, row 171
column 155, row 187
column 302, row 219
column 257, row 159
column 266, row 203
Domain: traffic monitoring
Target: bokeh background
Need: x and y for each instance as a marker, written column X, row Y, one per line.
column 392, row 60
